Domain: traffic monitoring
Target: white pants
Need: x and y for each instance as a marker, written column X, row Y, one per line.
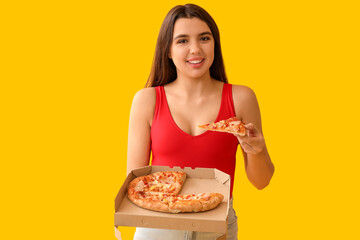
column 165, row 234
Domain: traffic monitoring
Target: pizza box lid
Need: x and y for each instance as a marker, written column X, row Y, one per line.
column 199, row 180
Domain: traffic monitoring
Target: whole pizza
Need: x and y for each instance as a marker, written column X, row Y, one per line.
column 159, row 192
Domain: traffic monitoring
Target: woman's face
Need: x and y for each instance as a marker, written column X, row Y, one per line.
column 192, row 48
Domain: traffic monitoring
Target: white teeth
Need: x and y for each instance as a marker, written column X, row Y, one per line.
column 194, row 62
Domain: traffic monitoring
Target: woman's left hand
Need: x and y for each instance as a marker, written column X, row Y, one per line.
column 253, row 142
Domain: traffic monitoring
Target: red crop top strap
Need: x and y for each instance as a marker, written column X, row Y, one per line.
column 160, row 101
column 227, row 109
column 161, row 106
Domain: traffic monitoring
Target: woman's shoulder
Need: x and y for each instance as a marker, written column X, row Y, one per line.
column 144, row 102
column 244, row 101
column 145, row 94
column 242, row 92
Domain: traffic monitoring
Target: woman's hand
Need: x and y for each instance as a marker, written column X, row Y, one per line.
column 253, row 142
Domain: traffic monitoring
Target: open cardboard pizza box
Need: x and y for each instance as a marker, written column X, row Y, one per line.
column 199, row 180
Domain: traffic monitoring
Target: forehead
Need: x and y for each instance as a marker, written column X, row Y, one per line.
column 190, row 26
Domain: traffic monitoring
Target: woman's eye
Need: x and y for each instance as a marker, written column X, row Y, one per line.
column 205, row 39
column 182, row 41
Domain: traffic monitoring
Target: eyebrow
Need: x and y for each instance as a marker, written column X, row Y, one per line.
column 184, row 35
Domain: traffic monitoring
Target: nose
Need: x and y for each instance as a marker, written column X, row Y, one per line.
column 194, row 47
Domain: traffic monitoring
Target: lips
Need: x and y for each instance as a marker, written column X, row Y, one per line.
column 195, row 62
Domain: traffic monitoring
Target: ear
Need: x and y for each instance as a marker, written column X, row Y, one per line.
column 169, row 55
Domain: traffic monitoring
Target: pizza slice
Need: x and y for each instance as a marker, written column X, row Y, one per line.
column 170, row 182
column 195, row 203
column 231, row 125
column 155, row 202
column 160, row 182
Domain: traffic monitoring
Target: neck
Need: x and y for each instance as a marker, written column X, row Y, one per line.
column 194, row 87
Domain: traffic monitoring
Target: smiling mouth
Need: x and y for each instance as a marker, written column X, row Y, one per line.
column 196, row 61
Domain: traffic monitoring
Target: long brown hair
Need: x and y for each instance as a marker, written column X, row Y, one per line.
column 163, row 70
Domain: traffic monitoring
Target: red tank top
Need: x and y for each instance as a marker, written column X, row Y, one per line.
column 171, row 146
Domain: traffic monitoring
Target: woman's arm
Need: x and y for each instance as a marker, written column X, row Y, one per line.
column 141, row 115
column 258, row 165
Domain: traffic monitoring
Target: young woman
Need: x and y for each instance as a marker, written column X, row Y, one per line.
column 188, row 87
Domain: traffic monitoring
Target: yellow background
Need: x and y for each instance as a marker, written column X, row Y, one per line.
column 69, row 71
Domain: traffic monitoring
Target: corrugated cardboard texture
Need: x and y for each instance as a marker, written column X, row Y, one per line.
column 198, row 180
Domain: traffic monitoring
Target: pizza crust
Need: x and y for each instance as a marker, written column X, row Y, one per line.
column 211, row 202
column 152, row 204
column 185, row 206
